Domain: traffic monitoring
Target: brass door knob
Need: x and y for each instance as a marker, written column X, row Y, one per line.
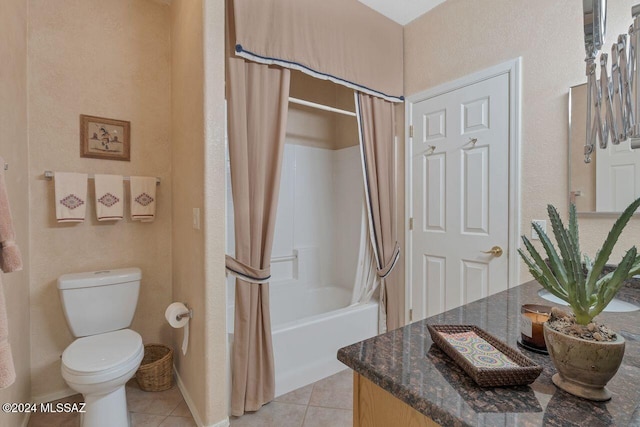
column 495, row 251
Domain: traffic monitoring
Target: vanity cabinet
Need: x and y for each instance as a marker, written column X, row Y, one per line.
column 375, row 407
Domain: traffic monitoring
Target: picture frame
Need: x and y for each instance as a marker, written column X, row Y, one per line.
column 107, row 139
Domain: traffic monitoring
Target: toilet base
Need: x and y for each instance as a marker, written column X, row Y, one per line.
column 106, row 410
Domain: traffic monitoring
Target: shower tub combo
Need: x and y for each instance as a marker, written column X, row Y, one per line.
column 316, row 254
column 308, row 327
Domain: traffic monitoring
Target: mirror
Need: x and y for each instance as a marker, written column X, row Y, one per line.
column 612, row 180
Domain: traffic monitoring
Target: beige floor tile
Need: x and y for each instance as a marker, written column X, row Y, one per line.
column 172, row 421
column 156, row 403
column 300, row 396
column 328, row 417
column 41, row 419
column 146, row 420
column 182, row 410
column 54, row 420
column 76, row 398
column 275, row 414
column 334, row 392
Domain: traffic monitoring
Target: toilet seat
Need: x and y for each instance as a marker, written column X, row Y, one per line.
column 102, row 357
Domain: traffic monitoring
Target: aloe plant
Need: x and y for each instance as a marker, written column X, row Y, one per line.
column 564, row 275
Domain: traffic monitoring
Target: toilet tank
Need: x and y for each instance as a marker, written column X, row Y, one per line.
column 99, row 301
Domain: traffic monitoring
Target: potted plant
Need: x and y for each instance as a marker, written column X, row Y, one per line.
column 586, row 355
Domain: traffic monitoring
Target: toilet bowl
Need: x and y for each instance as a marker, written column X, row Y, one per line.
column 99, row 307
column 99, row 366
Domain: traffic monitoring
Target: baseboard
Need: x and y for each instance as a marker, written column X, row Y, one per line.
column 223, row 423
column 192, row 407
column 56, row 395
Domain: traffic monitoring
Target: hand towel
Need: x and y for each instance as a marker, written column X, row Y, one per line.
column 143, row 198
column 10, row 258
column 71, row 196
column 7, row 369
column 109, row 191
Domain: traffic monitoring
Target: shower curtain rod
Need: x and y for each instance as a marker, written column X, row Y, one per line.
column 321, row 106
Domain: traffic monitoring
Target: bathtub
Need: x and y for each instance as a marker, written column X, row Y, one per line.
column 309, row 325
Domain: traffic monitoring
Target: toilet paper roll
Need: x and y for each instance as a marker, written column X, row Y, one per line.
column 172, row 314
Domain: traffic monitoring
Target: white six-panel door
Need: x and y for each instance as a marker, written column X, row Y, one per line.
column 460, row 196
column 617, row 177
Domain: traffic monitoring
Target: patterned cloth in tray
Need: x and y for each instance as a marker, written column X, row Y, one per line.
column 478, row 351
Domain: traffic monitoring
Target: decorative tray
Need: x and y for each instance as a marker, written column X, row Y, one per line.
column 486, row 359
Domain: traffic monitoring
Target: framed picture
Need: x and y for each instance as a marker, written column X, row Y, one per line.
column 102, row 138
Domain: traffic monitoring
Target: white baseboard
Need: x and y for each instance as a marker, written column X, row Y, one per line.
column 223, row 423
column 192, row 407
column 60, row 394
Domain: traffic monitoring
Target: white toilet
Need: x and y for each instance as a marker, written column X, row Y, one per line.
column 99, row 306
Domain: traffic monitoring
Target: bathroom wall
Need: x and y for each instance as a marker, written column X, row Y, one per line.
column 319, row 209
column 108, row 59
column 317, row 128
column 460, row 37
column 215, row 357
column 187, row 132
column 197, row 129
column 14, row 150
column 322, row 184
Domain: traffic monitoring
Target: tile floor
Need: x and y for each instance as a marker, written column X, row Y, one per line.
column 148, row 409
column 326, row 403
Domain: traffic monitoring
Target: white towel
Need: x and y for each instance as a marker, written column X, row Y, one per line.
column 10, row 257
column 109, row 193
column 7, row 368
column 71, row 196
column 143, row 198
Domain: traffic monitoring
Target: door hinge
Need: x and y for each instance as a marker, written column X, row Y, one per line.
column 411, row 131
column 410, row 314
column 410, row 223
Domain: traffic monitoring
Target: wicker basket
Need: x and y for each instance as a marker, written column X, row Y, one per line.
column 156, row 370
column 525, row 373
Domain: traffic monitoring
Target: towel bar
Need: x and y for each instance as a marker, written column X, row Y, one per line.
column 49, row 175
column 284, row 258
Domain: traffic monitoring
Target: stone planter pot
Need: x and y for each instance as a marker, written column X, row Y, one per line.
column 584, row 367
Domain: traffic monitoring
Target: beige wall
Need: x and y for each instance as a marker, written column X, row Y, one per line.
column 187, row 151
column 317, row 128
column 460, row 37
column 108, row 59
column 14, row 150
column 198, row 166
column 216, row 387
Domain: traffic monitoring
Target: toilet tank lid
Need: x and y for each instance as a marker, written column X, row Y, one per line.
column 98, row 278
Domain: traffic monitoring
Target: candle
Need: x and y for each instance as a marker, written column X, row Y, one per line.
column 533, row 316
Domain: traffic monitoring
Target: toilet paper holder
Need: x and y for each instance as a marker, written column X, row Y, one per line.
column 188, row 314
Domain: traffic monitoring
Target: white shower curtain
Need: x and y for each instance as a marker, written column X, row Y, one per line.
column 367, row 280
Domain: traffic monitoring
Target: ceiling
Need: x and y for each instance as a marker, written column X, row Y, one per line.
column 402, row 11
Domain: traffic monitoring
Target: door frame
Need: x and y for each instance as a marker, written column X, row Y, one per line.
column 513, row 68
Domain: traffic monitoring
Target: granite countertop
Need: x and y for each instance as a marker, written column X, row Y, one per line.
column 405, row 363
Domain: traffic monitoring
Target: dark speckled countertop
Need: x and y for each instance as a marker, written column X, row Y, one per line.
column 405, row 363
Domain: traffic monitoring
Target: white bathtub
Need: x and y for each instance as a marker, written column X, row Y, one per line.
column 308, row 327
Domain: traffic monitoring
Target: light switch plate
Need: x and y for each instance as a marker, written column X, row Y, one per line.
column 543, row 225
column 196, row 218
